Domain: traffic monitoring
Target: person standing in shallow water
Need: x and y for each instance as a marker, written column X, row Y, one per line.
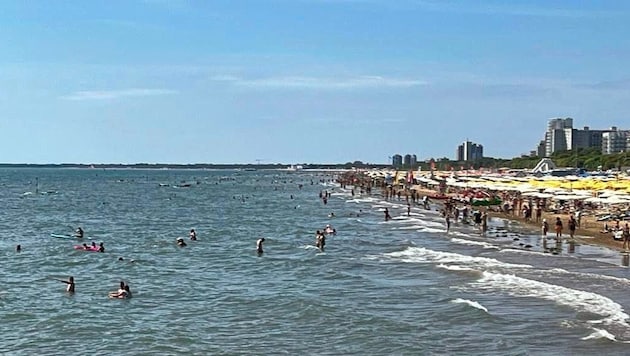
column 69, row 284
column 259, row 246
column 448, row 223
column 558, row 227
column 387, row 216
column 572, row 224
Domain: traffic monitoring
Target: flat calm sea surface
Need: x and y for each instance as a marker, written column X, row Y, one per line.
column 401, row 287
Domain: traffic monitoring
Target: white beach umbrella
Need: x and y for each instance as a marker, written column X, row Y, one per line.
column 616, row 199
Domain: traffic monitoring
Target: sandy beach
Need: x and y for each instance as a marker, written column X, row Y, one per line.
column 589, row 231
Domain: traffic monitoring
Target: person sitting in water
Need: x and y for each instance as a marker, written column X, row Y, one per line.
column 79, row 232
column 259, row 245
column 70, row 284
column 193, row 235
column 180, row 242
column 94, row 245
column 101, row 247
column 86, row 247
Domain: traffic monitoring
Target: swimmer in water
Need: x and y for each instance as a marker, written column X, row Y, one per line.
column 180, row 242
column 79, row 232
column 18, row 248
column 259, row 246
column 123, row 291
column 193, row 235
column 70, row 284
column 101, row 247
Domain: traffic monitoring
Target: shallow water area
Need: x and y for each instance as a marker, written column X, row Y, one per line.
column 402, row 286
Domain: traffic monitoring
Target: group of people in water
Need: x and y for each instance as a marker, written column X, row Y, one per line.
column 124, row 292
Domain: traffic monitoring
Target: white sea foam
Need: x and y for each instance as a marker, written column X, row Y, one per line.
column 474, row 243
column 600, row 334
column 430, row 229
column 411, row 227
column 592, row 275
column 454, row 267
column 472, row 303
column 424, row 255
column 360, row 200
column 583, row 301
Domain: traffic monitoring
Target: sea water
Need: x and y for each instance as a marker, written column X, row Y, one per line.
column 397, row 287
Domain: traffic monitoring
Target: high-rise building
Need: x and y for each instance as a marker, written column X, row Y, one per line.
column 615, row 141
column 561, row 136
column 407, row 160
column 397, row 160
column 558, row 136
column 469, row 151
column 414, row 161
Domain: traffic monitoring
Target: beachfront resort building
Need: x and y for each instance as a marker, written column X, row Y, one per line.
column 469, row 151
column 561, row 136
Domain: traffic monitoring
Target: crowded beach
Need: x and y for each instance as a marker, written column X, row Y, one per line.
column 597, row 205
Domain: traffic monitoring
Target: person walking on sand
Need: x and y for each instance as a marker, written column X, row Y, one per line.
column 558, row 228
column 408, row 209
column 626, row 236
column 545, row 227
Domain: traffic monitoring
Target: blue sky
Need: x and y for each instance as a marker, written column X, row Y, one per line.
column 302, row 81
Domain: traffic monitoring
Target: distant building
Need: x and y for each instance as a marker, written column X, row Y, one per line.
column 397, row 160
column 561, row 136
column 615, row 141
column 558, row 135
column 469, row 151
column 414, row 161
column 540, row 150
column 407, row 160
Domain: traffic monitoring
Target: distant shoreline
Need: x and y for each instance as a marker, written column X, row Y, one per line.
column 187, row 166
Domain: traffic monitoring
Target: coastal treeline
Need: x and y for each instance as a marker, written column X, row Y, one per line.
column 587, row 158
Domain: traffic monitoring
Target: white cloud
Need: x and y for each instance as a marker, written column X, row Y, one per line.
column 363, row 82
column 116, row 94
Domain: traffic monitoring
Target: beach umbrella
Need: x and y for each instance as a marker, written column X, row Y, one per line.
column 616, row 199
